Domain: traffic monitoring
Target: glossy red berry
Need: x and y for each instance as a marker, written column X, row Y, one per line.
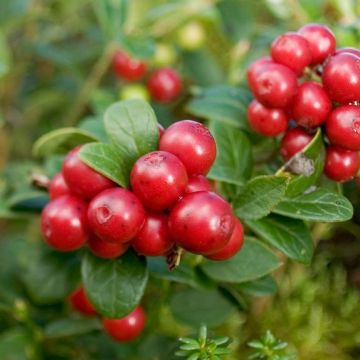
column 348, row 50
column 153, row 239
column 274, row 85
column 158, row 179
column 311, row 106
column 343, row 127
column 341, row 164
column 128, row 68
column 81, row 303
column 256, row 66
column 164, row 85
column 293, row 142
column 105, row 249
column 58, row 186
column 341, row 78
column 82, row 180
column 201, row 222
column 266, row 121
column 233, row 246
column 127, row 328
column 192, row 143
column 116, row 215
column 198, row 183
column 321, row 40
column 291, row 50
column 64, row 224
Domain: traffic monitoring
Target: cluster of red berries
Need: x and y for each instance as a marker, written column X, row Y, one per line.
column 164, row 84
column 124, row 329
column 332, row 101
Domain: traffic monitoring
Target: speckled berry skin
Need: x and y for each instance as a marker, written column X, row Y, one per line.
column 293, row 142
column 116, row 215
column 126, row 67
column 64, row 224
column 105, row 249
column 81, row 303
column 198, row 183
column 192, row 143
column 201, row 222
column 58, row 187
column 158, row 179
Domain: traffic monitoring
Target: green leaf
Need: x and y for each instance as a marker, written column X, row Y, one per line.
column 319, row 205
column 114, row 287
column 4, row 56
column 196, row 307
column 260, row 287
column 52, row 276
column 61, row 141
column 254, row 261
column 290, row 236
column 106, row 160
column 132, row 127
column 95, row 126
column 234, row 157
column 260, row 196
column 71, row 327
column 16, row 344
column 222, row 103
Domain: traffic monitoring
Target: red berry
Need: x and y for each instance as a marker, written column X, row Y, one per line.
column 64, row 224
column 198, row 183
column 127, row 328
column 266, row 121
column 116, row 215
column 256, row 66
column 348, row 50
column 164, row 85
column 81, row 179
column 233, row 246
column 202, row 222
column 153, row 239
column 158, row 179
column 127, row 67
column 321, row 40
column 292, row 50
column 105, row 249
column 311, row 106
column 341, row 164
column 192, row 143
column 274, row 85
column 293, row 142
column 58, row 186
column 81, row 303
column 341, row 78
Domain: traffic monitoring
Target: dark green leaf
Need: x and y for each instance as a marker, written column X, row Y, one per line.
column 260, row 287
column 95, row 126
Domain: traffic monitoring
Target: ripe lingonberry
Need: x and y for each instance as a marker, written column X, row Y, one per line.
column 116, row 215
column 192, row 143
column 348, row 50
column 126, row 328
column 153, row 239
column 343, row 127
column 81, row 303
column 291, row 50
column 321, row 40
column 293, row 142
column 164, row 85
column 341, row 164
column 158, row 179
column 341, row 78
column 198, row 183
column 266, row 121
column 64, row 224
column 105, row 249
column 273, row 85
column 201, row 222
column 311, row 106
column 127, row 67
column 58, row 186
column 233, row 246
column 81, row 179
column 256, row 66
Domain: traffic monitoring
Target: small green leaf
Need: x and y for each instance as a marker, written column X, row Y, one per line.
column 234, row 158
column 253, row 261
column 260, row 196
column 106, row 160
column 290, row 236
column 61, row 141
column 319, row 205
column 114, row 287
column 259, row 287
